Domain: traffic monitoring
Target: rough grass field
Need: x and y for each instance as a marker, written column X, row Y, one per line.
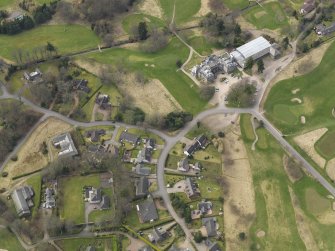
column 275, row 215
column 271, row 16
column 236, row 4
column 160, row 65
column 133, row 20
column 66, row 38
column 184, row 11
column 72, row 196
column 317, row 93
column 9, row 241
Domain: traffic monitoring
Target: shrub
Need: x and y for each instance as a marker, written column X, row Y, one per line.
column 4, row 174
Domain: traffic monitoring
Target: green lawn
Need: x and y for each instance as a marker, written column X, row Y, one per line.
column 146, row 134
column 133, row 20
column 36, row 183
column 5, row 3
column 72, row 196
column 317, row 92
column 178, row 84
column 236, row 4
column 270, row 16
column 66, row 38
column 246, row 128
column 185, row 9
column 201, row 45
column 208, row 184
column 113, row 243
column 9, row 241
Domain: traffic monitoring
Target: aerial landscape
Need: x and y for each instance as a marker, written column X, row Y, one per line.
column 167, row 125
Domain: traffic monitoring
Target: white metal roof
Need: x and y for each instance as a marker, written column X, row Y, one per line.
column 253, row 47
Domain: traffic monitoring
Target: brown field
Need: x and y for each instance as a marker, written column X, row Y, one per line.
column 239, row 206
column 151, row 7
column 152, row 97
column 292, row 169
column 330, row 169
column 30, row 157
column 306, row 142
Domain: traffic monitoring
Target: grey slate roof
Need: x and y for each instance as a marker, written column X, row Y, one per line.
column 90, row 248
column 105, row 202
column 205, row 206
column 191, row 189
column 147, row 211
column 22, row 200
column 141, row 170
column 144, row 156
column 183, row 165
column 210, row 224
column 142, row 186
column 129, row 137
column 158, row 235
column 214, row 247
column 65, row 142
column 150, row 143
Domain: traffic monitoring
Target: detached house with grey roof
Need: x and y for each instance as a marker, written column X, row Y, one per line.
column 211, row 226
column 142, row 187
column 66, row 145
column 146, row 211
column 191, row 189
column 22, row 198
column 130, row 138
column 198, row 143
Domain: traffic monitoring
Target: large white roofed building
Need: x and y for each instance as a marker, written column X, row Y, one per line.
column 254, row 49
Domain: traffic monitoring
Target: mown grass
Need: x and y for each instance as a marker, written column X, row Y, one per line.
column 185, row 9
column 8, row 241
column 317, row 91
column 66, row 38
column 326, row 145
column 72, row 196
column 270, row 16
column 177, row 83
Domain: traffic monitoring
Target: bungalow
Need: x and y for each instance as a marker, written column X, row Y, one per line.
column 323, row 30
column 212, row 246
column 50, row 201
column 146, row 211
column 144, row 156
column 141, row 170
column 102, row 100
column 199, row 142
column 129, row 137
column 95, row 135
column 307, row 7
column 142, row 187
column 22, row 198
column 210, row 225
column 66, row 144
column 205, row 207
column 92, row 195
column 80, row 85
column 158, row 235
column 32, row 76
column 183, row 165
column 105, row 203
column 191, row 189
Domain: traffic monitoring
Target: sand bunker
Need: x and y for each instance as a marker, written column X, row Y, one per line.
column 260, row 234
column 296, row 100
column 306, row 142
column 330, row 169
column 303, row 120
column 295, row 91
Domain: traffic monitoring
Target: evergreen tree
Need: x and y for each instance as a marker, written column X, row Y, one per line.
column 142, row 31
column 260, row 65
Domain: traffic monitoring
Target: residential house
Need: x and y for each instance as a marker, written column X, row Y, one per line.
column 32, row 76
column 146, row 248
column 66, row 145
column 158, row 235
column 22, row 198
column 130, row 138
column 183, row 165
column 141, row 170
column 80, row 85
column 93, row 195
column 142, row 187
column 199, row 142
column 105, row 202
column 307, row 7
column 144, row 156
column 191, row 189
column 211, row 226
column 214, row 247
column 323, row 30
column 205, row 207
column 90, row 248
column 150, row 144
column 95, row 135
column 103, row 101
column 146, row 211
column 50, row 201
